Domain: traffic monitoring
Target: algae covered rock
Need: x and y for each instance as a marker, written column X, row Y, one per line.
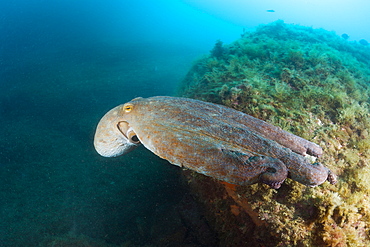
column 316, row 85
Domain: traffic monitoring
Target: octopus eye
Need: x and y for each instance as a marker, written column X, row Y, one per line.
column 127, row 107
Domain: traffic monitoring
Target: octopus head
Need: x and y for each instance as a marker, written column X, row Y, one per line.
column 114, row 136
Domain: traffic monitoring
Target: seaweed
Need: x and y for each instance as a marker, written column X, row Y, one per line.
column 315, row 84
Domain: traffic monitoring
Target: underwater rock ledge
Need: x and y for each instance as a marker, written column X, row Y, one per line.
column 316, row 85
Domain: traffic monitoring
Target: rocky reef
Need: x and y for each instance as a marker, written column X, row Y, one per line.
column 316, row 85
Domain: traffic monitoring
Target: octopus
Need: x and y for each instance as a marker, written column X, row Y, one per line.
column 211, row 139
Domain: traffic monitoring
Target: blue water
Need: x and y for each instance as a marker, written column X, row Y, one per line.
column 63, row 64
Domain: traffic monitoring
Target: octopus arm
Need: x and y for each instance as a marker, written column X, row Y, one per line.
column 293, row 142
column 252, row 169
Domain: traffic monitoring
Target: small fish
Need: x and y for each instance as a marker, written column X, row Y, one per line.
column 270, row 10
column 345, row 36
column 363, row 42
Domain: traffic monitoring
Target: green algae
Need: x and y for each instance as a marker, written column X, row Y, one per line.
column 314, row 84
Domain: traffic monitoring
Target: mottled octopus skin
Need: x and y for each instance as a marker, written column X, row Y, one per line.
column 211, row 139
